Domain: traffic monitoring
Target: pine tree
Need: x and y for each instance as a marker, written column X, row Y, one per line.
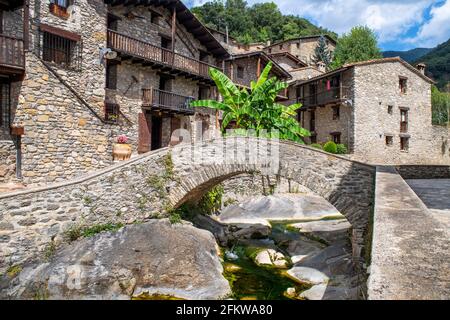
column 321, row 53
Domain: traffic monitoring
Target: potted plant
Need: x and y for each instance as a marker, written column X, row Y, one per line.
column 121, row 149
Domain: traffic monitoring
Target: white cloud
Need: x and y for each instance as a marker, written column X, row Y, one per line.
column 437, row 29
column 391, row 19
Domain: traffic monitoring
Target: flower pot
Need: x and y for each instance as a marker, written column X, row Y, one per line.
column 121, row 151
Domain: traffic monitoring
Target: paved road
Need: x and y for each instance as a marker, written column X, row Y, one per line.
column 435, row 194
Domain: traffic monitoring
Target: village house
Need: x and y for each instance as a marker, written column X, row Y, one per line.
column 380, row 109
column 76, row 74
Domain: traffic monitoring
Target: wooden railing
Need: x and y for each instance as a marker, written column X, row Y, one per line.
column 335, row 94
column 11, row 51
column 150, row 52
column 166, row 100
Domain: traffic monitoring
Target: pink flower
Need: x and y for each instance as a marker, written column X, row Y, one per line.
column 122, row 139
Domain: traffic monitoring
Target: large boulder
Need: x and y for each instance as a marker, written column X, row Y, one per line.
column 140, row 260
column 279, row 207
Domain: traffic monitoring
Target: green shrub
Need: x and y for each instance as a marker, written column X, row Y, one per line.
column 317, row 146
column 330, row 147
column 341, row 149
column 92, row 231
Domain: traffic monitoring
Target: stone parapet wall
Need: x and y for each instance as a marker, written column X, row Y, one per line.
column 149, row 186
column 424, row 171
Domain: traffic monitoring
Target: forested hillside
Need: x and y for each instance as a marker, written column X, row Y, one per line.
column 438, row 64
column 409, row 56
column 260, row 22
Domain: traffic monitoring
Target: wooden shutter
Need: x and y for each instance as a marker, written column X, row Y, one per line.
column 144, row 135
column 175, row 124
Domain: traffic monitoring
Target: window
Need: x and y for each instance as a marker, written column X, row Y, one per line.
column 298, row 45
column 313, row 138
column 270, row 50
column 203, row 93
column 154, row 17
column 4, row 104
column 112, row 112
column 111, row 76
column 336, row 137
column 59, row 8
column 403, row 84
column 404, row 143
column 390, row 109
column 403, row 120
column 336, row 113
column 60, row 50
column 281, row 47
column 389, row 140
column 240, row 72
column 113, row 22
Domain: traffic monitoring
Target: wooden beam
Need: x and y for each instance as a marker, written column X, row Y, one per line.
column 258, row 68
column 26, row 25
column 174, row 28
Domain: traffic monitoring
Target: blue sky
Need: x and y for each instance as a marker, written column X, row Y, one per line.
column 399, row 24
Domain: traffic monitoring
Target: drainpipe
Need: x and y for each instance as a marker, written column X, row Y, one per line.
column 26, row 24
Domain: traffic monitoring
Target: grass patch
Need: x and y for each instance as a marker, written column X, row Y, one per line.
column 76, row 232
column 13, row 271
column 49, row 250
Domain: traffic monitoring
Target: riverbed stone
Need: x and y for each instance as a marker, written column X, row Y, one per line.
column 272, row 258
column 307, row 275
column 150, row 258
column 326, row 230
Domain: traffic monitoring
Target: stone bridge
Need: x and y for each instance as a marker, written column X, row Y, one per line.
column 150, row 185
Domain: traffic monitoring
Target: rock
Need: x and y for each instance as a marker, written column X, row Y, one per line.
column 326, row 230
column 279, row 207
column 270, row 257
column 307, row 275
column 290, row 293
column 251, row 231
column 231, row 256
column 150, row 258
column 315, row 292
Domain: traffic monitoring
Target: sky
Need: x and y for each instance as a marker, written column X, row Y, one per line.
column 399, row 24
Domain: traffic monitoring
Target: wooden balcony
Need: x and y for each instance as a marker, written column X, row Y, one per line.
column 159, row 58
column 165, row 101
column 12, row 56
column 335, row 95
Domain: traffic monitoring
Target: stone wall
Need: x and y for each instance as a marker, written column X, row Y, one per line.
column 423, row 172
column 377, row 87
column 147, row 186
column 13, row 23
column 7, row 161
column 63, row 138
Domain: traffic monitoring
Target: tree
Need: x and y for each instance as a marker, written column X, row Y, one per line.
column 440, row 102
column 321, row 53
column 359, row 45
column 257, row 109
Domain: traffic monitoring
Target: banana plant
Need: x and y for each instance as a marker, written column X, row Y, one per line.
column 256, row 109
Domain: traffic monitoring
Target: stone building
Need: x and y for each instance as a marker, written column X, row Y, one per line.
column 75, row 74
column 302, row 48
column 380, row 109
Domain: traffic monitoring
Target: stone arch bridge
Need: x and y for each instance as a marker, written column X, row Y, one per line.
column 150, row 185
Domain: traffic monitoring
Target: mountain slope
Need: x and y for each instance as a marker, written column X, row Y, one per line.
column 260, row 22
column 438, row 64
column 409, row 56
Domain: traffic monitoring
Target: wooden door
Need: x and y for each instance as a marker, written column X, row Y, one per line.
column 144, row 133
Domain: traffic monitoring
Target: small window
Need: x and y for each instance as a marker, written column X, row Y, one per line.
column 298, row 45
column 336, row 137
column 390, row 109
column 336, row 113
column 403, row 84
column 389, row 140
column 240, row 72
column 154, row 17
column 59, row 8
column 113, row 22
column 404, row 143
column 111, row 112
column 111, row 76
column 270, row 50
column 403, row 120
column 4, row 104
column 281, row 47
column 313, row 138
column 61, row 51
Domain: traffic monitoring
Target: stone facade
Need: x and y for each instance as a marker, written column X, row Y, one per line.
column 303, row 48
column 147, row 187
column 7, row 161
column 370, row 107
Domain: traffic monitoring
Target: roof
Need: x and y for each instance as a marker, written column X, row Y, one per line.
column 188, row 19
column 370, row 62
column 300, row 38
column 290, row 56
column 265, row 57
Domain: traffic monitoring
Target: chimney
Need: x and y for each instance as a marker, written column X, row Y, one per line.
column 421, row 67
column 322, row 66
